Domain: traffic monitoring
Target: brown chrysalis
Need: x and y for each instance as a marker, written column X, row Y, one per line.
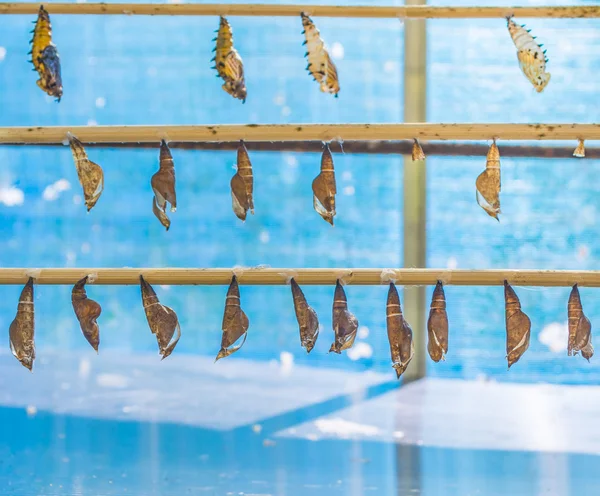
column 487, row 185
column 87, row 311
column 437, row 325
column 345, row 324
column 90, row 174
column 580, row 328
column 324, row 188
column 399, row 333
column 235, row 322
column 518, row 326
column 580, row 150
column 162, row 320
column 308, row 321
column 242, row 184
column 417, row 151
column 320, row 66
column 22, row 329
column 163, row 186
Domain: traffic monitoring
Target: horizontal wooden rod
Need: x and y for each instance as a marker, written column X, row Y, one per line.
column 299, row 132
column 277, row 10
column 272, row 276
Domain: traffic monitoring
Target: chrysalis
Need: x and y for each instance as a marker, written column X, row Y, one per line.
column 437, row 325
column 22, row 329
column 580, row 150
column 518, row 326
column 345, row 324
column 87, row 311
column 580, row 328
column 532, row 59
column 308, row 321
column 228, row 62
column 320, row 66
column 163, row 186
column 162, row 320
column 235, row 322
column 417, row 151
column 399, row 333
column 242, row 184
column 324, row 188
column 90, row 174
column 487, row 186
column 44, row 56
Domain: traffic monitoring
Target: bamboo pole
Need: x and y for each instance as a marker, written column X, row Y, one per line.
column 273, row 276
column 276, row 10
column 299, row 132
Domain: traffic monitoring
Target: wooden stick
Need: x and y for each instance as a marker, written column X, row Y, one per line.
column 295, row 10
column 271, row 276
column 300, row 132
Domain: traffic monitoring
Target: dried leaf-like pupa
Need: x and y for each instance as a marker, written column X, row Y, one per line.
column 580, row 328
column 437, row 325
column 242, row 184
column 228, row 62
column 87, row 311
column 308, row 322
column 235, row 322
column 518, row 326
column 22, row 329
column 487, row 185
column 532, row 59
column 44, row 56
column 580, row 150
column 345, row 323
column 399, row 333
column 320, row 66
column 162, row 320
column 163, row 186
column 324, row 189
column 417, row 151
column 91, row 176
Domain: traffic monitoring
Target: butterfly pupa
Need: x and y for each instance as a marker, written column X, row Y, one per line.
column 400, row 336
column 242, row 184
column 580, row 328
column 44, row 56
column 345, row 324
column 320, row 66
column 417, row 151
column 437, row 325
column 162, row 320
column 518, row 326
column 163, row 186
column 235, row 322
column 487, row 185
column 308, row 322
column 324, row 189
column 22, row 328
column 90, row 174
column 532, row 59
column 87, row 312
column 228, row 62
column 580, row 150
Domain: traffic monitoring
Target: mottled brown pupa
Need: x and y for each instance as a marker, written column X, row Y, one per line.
column 90, row 174
column 580, row 328
column 399, row 333
column 437, row 325
column 487, row 185
column 417, row 151
column 242, row 185
column 22, row 328
column 308, row 322
column 345, row 323
column 87, row 311
column 518, row 326
column 235, row 322
column 580, row 150
column 162, row 320
column 324, row 189
column 163, row 186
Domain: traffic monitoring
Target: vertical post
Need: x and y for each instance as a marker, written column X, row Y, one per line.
column 415, row 100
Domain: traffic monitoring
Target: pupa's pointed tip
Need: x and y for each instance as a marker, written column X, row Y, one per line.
column 398, row 374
